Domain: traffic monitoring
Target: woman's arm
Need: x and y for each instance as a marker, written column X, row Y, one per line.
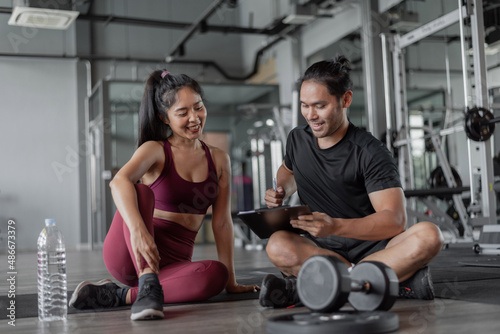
column 146, row 159
column 222, row 223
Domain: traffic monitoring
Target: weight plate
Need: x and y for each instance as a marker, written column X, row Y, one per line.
column 477, row 126
column 339, row 322
column 384, row 286
column 471, row 119
column 323, row 283
column 437, row 179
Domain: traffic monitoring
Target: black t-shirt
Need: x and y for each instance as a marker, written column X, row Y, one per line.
column 337, row 180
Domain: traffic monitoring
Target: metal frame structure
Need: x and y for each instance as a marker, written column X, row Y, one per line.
column 439, row 217
column 98, row 138
column 480, row 153
column 267, row 156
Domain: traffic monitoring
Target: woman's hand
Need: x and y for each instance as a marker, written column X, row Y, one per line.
column 144, row 246
column 238, row 288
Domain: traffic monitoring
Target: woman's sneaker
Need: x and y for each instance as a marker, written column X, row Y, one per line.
column 149, row 302
column 419, row 286
column 95, row 295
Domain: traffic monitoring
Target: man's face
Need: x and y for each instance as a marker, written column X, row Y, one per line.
column 324, row 113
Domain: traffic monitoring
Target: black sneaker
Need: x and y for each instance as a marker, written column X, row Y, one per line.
column 95, row 295
column 149, row 302
column 278, row 292
column 419, row 286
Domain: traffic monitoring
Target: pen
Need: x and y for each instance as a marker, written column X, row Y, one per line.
column 275, row 184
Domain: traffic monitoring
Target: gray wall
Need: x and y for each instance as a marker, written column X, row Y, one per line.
column 39, row 148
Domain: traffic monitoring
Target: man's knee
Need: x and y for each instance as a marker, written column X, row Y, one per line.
column 281, row 249
column 428, row 238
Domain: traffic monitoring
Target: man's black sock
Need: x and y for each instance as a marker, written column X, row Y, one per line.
column 122, row 295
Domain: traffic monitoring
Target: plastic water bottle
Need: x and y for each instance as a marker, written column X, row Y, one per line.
column 52, row 296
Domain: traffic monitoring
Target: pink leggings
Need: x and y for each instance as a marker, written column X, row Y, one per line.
column 181, row 279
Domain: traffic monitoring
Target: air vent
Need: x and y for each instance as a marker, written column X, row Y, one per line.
column 42, row 18
column 301, row 14
column 404, row 21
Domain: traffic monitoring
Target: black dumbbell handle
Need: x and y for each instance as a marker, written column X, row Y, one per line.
column 360, row 286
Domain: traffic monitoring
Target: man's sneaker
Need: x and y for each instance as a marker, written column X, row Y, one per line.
column 149, row 302
column 419, row 286
column 95, row 295
column 278, row 292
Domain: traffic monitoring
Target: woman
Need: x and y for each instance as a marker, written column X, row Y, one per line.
column 150, row 241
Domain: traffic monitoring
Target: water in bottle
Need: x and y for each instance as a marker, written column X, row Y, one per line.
column 52, row 297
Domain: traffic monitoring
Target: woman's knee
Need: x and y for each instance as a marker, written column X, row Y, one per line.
column 146, row 203
column 213, row 281
column 145, row 197
column 220, row 273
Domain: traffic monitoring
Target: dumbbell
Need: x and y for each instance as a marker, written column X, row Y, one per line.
column 324, row 285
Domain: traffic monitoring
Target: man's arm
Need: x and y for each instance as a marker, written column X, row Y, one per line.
column 285, row 187
column 388, row 220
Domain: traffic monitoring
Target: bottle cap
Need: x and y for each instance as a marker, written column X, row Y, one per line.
column 50, row 221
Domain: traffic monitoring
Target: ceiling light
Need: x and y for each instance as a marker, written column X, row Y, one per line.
column 42, row 18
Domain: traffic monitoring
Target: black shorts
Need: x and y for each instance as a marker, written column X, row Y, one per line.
column 353, row 250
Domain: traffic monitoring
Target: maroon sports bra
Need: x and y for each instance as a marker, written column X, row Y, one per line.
column 174, row 194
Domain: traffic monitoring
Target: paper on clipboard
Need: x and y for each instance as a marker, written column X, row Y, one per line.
column 266, row 221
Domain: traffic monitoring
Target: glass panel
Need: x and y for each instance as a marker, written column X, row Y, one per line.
column 228, row 113
column 95, row 136
column 426, row 110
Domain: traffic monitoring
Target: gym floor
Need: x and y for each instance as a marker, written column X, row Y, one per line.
column 469, row 299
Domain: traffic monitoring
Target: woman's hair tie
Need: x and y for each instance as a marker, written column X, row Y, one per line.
column 164, row 73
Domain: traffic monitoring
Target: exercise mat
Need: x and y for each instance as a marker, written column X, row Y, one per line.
column 27, row 305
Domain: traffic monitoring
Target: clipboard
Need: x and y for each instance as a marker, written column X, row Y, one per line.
column 264, row 222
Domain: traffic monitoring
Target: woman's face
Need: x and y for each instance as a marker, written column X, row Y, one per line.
column 187, row 116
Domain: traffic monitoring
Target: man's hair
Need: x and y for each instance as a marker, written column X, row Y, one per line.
column 333, row 73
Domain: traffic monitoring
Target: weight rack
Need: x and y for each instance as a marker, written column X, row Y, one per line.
column 483, row 197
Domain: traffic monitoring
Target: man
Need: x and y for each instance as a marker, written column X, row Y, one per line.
column 351, row 183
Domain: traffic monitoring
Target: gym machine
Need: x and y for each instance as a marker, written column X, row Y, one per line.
column 479, row 127
column 445, row 184
column 478, row 122
column 267, row 151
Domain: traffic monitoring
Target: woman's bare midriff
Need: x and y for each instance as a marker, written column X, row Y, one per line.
column 188, row 220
